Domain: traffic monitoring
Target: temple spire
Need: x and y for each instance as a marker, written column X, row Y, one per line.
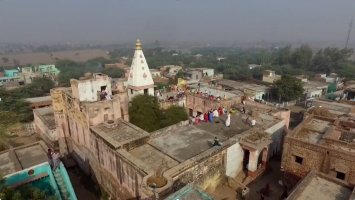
column 140, row 80
column 138, row 45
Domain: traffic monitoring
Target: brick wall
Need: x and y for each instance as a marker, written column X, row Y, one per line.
column 318, row 158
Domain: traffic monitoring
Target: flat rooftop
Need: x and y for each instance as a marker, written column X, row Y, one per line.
column 189, row 192
column 333, row 106
column 39, row 99
column 122, row 133
column 186, row 142
column 309, row 135
column 154, row 158
column 47, row 115
column 238, row 85
column 319, row 125
column 214, row 92
column 316, row 186
column 22, row 157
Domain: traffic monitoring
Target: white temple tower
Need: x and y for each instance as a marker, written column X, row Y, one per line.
column 140, row 80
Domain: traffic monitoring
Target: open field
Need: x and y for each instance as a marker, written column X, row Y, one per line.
column 46, row 58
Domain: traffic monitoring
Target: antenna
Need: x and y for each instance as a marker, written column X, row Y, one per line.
column 349, row 33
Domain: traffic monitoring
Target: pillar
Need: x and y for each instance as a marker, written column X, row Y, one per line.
column 253, row 164
column 265, row 158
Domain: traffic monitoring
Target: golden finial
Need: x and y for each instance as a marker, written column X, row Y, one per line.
column 138, row 45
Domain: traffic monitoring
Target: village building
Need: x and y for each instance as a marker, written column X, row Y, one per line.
column 22, row 157
column 28, row 164
column 92, row 126
column 317, row 185
column 155, row 73
column 270, row 76
column 323, row 142
column 251, row 90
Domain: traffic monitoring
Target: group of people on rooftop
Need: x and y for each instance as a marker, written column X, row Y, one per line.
column 208, row 116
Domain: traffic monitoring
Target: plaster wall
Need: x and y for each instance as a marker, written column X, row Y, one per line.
column 210, row 72
column 167, row 104
column 86, row 90
column 102, row 111
column 113, row 170
column 235, row 155
column 277, row 136
column 253, row 160
column 132, row 93
column 314, row 93
column 50, row 136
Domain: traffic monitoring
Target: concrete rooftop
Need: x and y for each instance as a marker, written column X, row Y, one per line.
column 22, row 157
column 153, row 157
column 47, row 115
column 188, row 141
column 122, row 134
column 314, row 186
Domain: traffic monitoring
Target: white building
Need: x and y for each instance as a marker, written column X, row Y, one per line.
column 140, row 80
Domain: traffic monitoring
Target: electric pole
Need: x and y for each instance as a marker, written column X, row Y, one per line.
column 349, row 33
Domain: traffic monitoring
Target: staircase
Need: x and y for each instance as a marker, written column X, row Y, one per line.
column 242, row 176
column 61, row 185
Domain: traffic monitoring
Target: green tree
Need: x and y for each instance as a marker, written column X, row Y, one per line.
column 114, row 72
column 5, row 59
column 16, row 62
column 284, row 55
column 302, row 57
column 43, row 84
column 289, row 88
column 173, row 115
column 145, row 112
column 180, row 74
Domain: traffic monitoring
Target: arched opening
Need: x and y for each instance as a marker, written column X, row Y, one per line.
column 246, row 159
column 263, row 97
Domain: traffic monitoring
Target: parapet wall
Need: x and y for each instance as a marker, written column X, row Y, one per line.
column 318, row 158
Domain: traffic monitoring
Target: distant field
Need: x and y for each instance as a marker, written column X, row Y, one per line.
column 33, row 58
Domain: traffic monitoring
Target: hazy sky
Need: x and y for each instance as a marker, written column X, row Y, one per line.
column 121, row 21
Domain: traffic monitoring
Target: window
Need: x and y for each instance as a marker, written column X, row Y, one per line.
column 145, row 91
column 131, row 91
column 298, row 159
column 340, row 175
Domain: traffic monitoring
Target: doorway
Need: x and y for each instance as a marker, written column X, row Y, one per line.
column 246, row 159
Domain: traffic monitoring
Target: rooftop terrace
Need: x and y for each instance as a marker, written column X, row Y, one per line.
column 320, row 186
column 118, row 133
column 176, row 145
column 22, row 157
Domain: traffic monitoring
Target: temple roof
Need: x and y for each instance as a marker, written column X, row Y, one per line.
column 139, row 74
